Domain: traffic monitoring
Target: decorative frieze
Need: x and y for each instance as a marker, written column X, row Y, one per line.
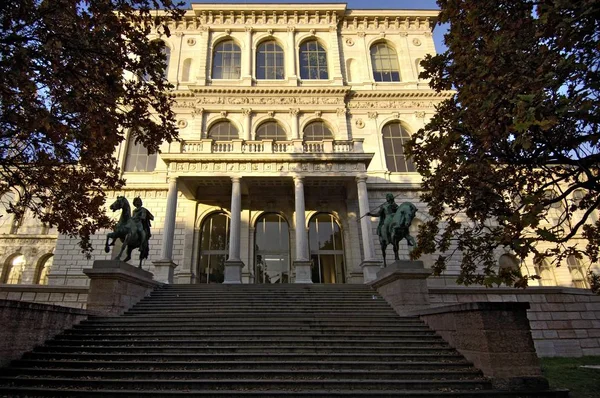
column 274, row 167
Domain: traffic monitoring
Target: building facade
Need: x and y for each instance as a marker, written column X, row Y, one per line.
column 292, row 119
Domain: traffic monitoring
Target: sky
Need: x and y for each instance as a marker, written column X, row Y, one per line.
column 438, row 32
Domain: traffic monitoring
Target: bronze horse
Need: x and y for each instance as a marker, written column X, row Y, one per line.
column 398, row 229
column 129, row 231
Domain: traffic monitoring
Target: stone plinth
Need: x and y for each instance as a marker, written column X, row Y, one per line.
column 164, row 271
column 233, row 272
column 116, row 286
column 370, row 270
column 303, row 272
column 495, row 337
column 403, row 284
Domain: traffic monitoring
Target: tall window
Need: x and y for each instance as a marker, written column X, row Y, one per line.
column 43, row 269
column 385, row 63
column 546, row 273
column 326, row 249
column 13, row 269
column 313, row 61
column 223, row 131
column 272, row 250
column 317, row 131
column 269, row 61
column 578, row 274
column 167, row 53
column 394, row 137
column 214, row 244
column 227, row 60
column 271, row 131
column 138, row 158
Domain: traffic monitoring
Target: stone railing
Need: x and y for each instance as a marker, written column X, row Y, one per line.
column 269, row 146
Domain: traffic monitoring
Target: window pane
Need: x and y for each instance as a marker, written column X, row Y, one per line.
column 394, row 137
column 384, row 61
column 223, row 131
column 270, row 61
column 226, row 61
column 317, row 131
column 313, row 61
column 270, row 131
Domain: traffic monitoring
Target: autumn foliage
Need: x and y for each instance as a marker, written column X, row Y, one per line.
column 75, row 77
column 511, row 161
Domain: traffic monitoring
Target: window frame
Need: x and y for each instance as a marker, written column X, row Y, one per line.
column 323, row 124
column 131, row 144
column 390, row 58
column 278, row 49
column 219, row 123
column 279, row 128
column 231, row 75
column 398, row 158
column 319, row 50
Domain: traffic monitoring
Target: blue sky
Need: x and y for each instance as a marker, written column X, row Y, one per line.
column 363, row 4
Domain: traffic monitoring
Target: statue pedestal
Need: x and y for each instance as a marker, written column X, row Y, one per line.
column 302, row 273
column 164, row 270
column 370, row 269
column 403, row 284
column 116, row 286
column 233, row 272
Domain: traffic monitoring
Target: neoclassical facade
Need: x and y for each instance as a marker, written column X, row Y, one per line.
column 292, row 119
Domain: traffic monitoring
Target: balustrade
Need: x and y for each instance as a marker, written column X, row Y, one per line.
column 270, row 146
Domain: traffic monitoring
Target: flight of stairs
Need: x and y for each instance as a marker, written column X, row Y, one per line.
column 250, row 340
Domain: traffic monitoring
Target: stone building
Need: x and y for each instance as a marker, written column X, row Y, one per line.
column 292, row 119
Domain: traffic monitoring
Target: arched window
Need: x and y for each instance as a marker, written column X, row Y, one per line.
column 545, row 272
column 272, row 249
column 227, row 60
column 138, row 158
column 13, row 269
column 214, row 244
column 271, row 131
column 578, row 274
column 43, row 269
column 317, row 131
column 385, row 63
column 394, row 137
column 270, row 61
column 223, row 131
column 313, row 61
column 326, row 249
column 186, row 70
column 166, row 51
column 508, row 265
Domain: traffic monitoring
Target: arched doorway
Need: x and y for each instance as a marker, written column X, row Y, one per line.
column 326, row 249
column 272, row 249
column 214, row 246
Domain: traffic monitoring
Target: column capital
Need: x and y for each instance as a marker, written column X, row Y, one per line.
column 236, row 179
column 298, row 179
column 172, row 179
column 246, row 111
column 361, row 178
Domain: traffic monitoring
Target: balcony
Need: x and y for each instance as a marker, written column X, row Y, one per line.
column 209, row 146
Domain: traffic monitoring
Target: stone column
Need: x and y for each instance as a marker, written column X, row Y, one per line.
column 369, row 265
column 302, row 262
column 291, row 55
column 247, row 112
column 163, row 269
column 334, row 56
column 203, row 44
column 234, row 265
column 247, row 64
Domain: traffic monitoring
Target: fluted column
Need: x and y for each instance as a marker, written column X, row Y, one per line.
column 166, row 253
column 302, row 262
column 369, row 265
column 236, row 218
column 365, row 222
column 164, row 268
column 234, row 265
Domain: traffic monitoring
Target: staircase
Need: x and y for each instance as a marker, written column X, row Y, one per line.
column 250, row 341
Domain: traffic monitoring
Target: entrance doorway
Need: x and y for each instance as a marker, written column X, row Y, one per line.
column 214, row 246
column 272, row 249
column 326, row 249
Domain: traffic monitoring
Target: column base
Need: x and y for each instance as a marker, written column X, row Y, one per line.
column 303, row 272
column 403, row 284
column 233, row 272
column 164, row 270
column 370, row 269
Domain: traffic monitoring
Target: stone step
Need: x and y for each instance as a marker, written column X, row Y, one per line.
column 269, row 356
column 256, row 342
column 258, row 319
column 253, row 347
column 272, row 374
column 371, row 393
column 263, row 304
column 248, row 384
column 293, row 365
column 201, row 336
column 238, row 328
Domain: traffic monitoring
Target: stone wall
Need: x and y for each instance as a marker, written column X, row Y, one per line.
column 65, row 296
column 564, row 322
column 26, row 325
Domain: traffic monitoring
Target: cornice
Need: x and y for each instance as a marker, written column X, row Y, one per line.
column 301, row 91
column 421, row 94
